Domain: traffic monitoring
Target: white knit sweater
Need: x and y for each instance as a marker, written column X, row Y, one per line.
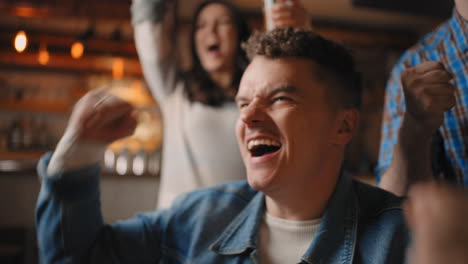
column 199, row 144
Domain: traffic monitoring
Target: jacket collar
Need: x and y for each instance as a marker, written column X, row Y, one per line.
column 334, row 241
column 241, row 234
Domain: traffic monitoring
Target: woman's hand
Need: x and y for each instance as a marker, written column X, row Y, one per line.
column 290, row 13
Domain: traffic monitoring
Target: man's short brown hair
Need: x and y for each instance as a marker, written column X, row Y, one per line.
column 336, row 63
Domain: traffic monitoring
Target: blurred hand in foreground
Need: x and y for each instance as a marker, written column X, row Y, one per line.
column 437, row 216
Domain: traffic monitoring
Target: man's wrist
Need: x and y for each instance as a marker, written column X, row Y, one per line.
column 414, row 151
column 72, row 154
column 416, row 130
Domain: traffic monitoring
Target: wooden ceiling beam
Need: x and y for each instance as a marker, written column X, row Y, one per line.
column 367, row 38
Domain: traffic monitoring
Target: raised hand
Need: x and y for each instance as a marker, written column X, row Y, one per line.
column 428, row 94
column 102, row 117
column 97, row 119
column 287, row 13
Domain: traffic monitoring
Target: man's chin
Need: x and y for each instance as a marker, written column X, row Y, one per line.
column 259, row 182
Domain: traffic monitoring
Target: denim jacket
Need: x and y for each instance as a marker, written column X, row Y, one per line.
column 361, row 224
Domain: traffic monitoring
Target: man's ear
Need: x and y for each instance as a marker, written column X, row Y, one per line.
column 347, row 123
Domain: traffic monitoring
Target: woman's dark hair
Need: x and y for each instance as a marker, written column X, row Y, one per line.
column 199, row 86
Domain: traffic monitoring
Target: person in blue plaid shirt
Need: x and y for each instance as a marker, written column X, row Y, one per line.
column 425, row 121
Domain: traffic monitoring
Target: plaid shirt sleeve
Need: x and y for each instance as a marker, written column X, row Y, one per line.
column 394, row 109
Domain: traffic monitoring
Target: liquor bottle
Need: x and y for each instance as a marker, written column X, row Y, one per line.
column 15, row 136
column 4, row 130
column 42, row 135
column 27, row 140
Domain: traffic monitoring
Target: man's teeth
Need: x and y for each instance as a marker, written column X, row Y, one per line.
column 257, row 142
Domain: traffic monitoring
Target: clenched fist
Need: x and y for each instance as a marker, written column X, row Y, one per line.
column 97, row 119
column 102, row 117
column 428, row 94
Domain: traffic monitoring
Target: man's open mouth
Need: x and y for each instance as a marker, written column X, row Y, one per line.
column 260, row 147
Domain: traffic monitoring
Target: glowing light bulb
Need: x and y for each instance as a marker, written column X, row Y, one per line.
column 21, row 41
column 43, row 56
column 77, row 50
column 118, row 68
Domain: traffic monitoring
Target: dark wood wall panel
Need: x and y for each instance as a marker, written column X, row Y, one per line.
column 436, row 8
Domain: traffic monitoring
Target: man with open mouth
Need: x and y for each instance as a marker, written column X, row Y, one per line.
column 298, row 101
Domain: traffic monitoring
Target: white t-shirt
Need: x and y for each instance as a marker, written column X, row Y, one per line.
column 285, row 241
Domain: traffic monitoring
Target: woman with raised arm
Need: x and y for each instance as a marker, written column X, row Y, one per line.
column 199, row 114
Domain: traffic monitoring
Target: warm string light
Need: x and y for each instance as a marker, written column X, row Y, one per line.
column 20, row 41
column 76, row 52
column 43, row 55
column 118, row 68
column 77, row 49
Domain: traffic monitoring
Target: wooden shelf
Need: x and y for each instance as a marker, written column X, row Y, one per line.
column 36, row 106
column 24, row 163
column 129, row 176
column 62, row 63
column 19, row 163
column 21, row 155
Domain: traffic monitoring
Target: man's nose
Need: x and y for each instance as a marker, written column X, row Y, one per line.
column 253, row 114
